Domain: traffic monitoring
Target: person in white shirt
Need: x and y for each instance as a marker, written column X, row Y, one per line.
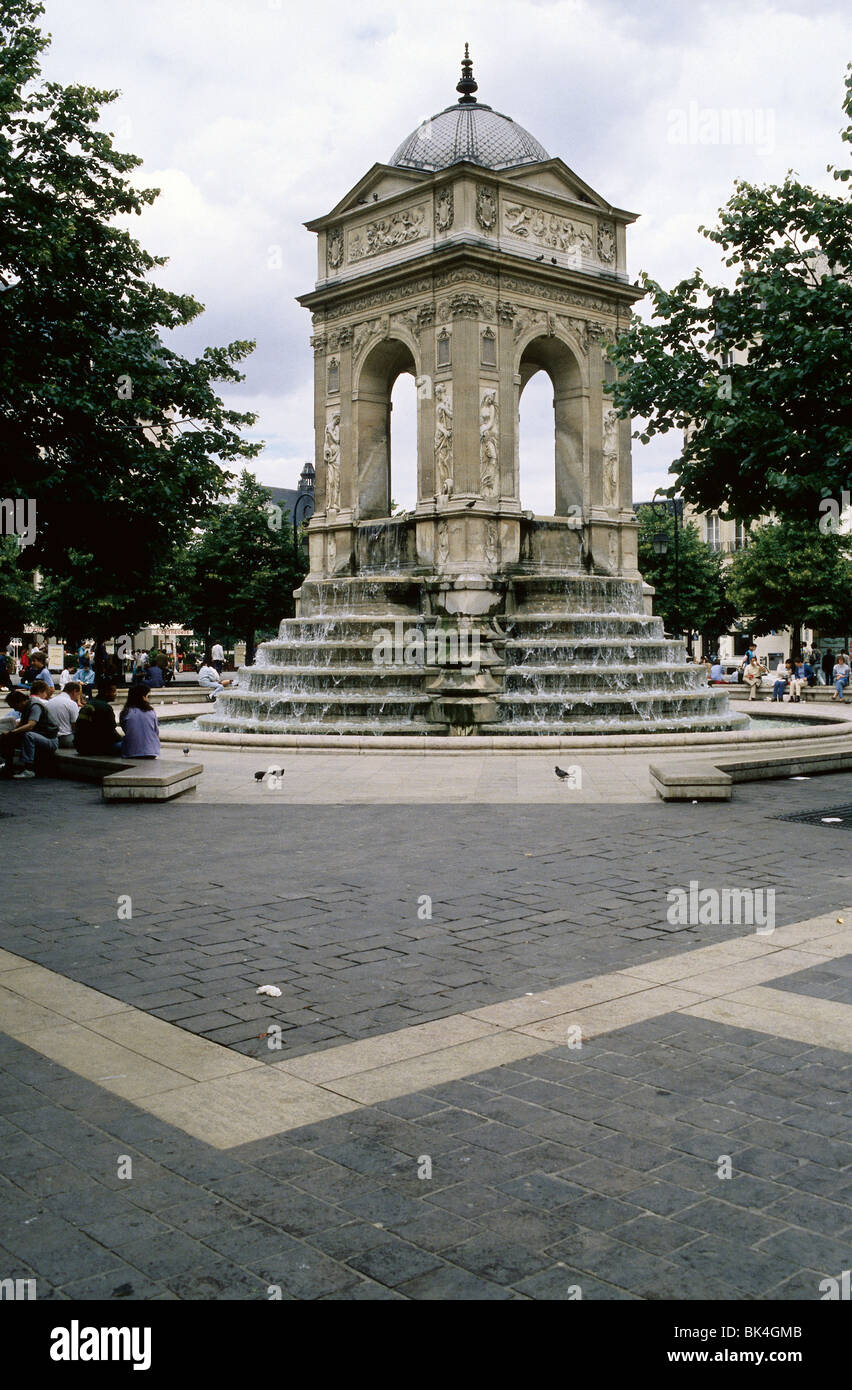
column 65, row 706
column 208, row 676
column 217, row 657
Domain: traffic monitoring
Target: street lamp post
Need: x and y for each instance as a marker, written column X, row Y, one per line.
column 670, row 506
column 303, row 508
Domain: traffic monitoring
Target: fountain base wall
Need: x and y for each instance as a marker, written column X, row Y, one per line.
column 566, row 654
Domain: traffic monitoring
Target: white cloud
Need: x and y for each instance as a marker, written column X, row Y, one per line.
column 254, row 116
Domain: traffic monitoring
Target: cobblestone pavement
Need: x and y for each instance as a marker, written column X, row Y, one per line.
column 596, row 1168
column 323, row 902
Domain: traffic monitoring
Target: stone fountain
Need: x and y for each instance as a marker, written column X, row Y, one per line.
column 472, row 260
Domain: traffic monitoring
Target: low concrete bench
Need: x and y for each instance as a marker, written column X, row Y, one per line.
column 713, row 780
column 128, row 779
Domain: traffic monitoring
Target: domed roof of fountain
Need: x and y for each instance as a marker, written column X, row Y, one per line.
column 468, row 131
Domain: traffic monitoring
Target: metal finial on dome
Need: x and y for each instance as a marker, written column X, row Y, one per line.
column 468, row 85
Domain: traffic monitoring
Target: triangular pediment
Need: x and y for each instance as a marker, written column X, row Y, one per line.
column 382, row 181
column 554, row 177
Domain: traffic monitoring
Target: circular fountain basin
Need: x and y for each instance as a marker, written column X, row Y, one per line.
column 772, row 727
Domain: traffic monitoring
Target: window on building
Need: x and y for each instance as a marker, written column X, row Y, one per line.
column 333, row 376
column 443, row 348
column 713, row 531
column 740, row 535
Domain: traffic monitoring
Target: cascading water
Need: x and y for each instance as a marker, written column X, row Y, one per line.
column 576, row 654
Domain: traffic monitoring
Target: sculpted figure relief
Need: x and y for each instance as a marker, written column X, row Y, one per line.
column 488, row 464
column 444, row 210
column 387, row 233
column 444, row 440
column 334, row 253
column 546, row 228
column 610, row 457
column 486, row 208
column 331, row 456
column 606, row 242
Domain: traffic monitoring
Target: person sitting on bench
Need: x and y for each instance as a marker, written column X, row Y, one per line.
column 95, row 731
column 37, row 730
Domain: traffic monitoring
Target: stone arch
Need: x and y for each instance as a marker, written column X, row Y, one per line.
column 554, row 355
column 382, row 365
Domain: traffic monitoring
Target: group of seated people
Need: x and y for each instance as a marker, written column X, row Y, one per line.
column 49, row 719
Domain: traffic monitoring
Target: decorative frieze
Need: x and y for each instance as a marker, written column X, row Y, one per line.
column 387, row 233
column 547, row 228
column 535, row 290
column 506, row 311
column 379, row 299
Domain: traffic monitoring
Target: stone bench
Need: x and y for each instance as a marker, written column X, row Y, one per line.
column 713, row 780
column 129, row 779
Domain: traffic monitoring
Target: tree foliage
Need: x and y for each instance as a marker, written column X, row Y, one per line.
column 770, row 434
column 239, row 574
column 790, row 576
column 120, row 440
column 689, row 580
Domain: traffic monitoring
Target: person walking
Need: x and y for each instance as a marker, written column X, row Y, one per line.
column 138, row 719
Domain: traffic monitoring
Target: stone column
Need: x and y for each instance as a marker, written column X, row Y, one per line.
column 465, row 378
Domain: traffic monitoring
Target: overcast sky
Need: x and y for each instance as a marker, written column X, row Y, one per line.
column 253, row 116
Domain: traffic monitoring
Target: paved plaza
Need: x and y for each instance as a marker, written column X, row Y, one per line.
column 496, row 1069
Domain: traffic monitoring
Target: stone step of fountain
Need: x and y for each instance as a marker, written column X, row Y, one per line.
column 592, row 622
column 574, row 593
column 541, row 679
column 615, row 652
column 649, row 704
column 340, row 725
column 619, row 724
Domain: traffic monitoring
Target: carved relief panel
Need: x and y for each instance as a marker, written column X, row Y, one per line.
column 489, row 470
column 387, row 233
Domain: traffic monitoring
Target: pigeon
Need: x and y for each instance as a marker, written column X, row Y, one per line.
column 560, row 774
column 541, row 257
column 471, row 503
column 269, row 772
column 259, row 776
column 186, row 752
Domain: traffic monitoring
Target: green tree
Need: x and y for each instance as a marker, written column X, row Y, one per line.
column 19, row 607
column 689, row 579
column 771, row 434
column 120, row 441
column 240, row 572
column 788, row 576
